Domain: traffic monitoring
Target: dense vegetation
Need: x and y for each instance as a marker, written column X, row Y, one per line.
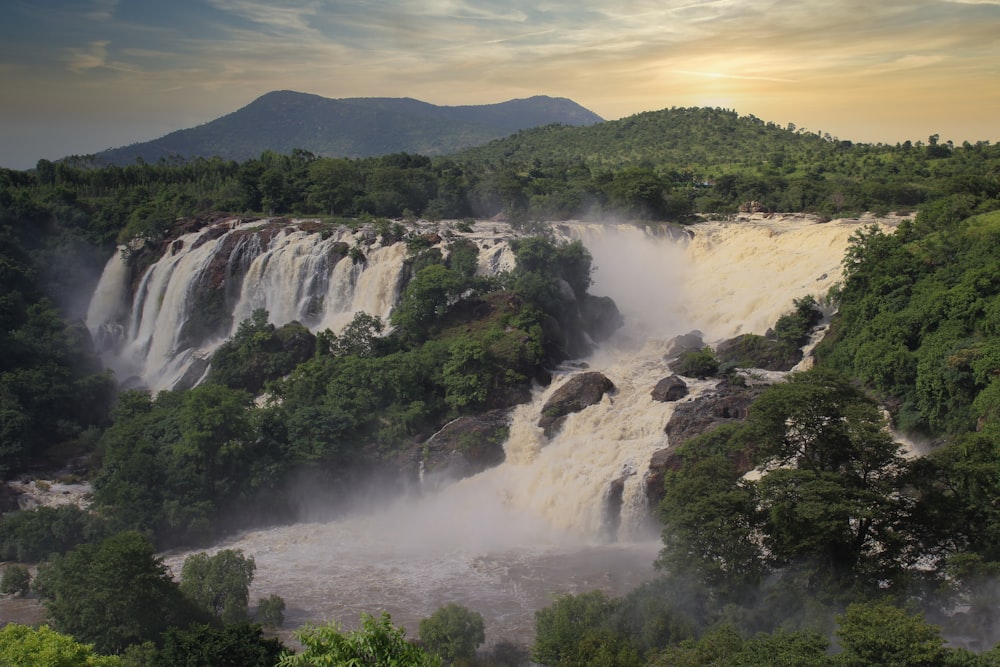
column 659, row 165
column 840, row 536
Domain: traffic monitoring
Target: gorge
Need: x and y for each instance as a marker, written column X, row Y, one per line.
column 502, row 542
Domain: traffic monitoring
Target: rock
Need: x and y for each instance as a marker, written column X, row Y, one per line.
column 8, row 498
column 579, row 392
column 588, row 321
column 753, row 351
column 193, row 374
column 669, row 389
column 753, row 206
column 678, row 345
column 614, row 498
column 727, row 404
column 601, row 317
column 466, row 446
column 662, row 461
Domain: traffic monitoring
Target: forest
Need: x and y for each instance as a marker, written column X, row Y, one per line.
column 842, row 551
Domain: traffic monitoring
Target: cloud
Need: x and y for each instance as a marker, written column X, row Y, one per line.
column 742, row 77
column 102, row 10
column 522, row 36
column 908, row 62
column 92, row 57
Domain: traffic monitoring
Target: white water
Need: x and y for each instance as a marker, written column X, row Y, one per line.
column 295, row 276
column 507, row 540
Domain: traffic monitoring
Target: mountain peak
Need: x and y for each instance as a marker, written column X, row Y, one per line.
column 283, row 120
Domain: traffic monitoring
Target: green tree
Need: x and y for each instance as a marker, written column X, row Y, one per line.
column 24, row 646
column 219, row 584
column 830, row 493
column 467, row 374
column 426, row 299
column 453, row 632
column 826, row 509
column 881, row 634
column 378, row 643
column 34, row 534
column 560, row 627
column 711, row 526
column 360, row 338
column 234, row 645
column 113, row 594
column 724, row 647
column 16, row 580
column 271, row 611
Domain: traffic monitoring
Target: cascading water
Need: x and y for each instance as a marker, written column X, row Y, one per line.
column 195, row 296
column 507, row 540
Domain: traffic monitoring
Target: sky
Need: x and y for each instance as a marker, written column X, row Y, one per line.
column 79, row 76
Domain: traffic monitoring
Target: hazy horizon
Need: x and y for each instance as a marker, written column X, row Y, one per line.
column 81, row 76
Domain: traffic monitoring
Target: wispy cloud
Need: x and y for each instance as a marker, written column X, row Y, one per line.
column 102, row 10
column 288, row 17
column 742, row 77
column 92, row 57
column 521, row 36
column 908, row 62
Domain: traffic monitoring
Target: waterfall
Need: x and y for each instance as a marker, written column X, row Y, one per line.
column 194, row 297
column 506, row 540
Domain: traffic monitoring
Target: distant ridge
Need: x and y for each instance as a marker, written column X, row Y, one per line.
column 284, row 120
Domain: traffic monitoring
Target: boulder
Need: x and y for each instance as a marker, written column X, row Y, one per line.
column 727, row 404
column 662, row 461
column 669, row 389
column 753, row 351
column 601, row 317
column 678, row 345
column 466, row 446
column 579, row 392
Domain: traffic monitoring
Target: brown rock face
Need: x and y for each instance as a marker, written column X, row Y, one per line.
column 753, row 351
column 726, row 405
column 579, row 392
column 467, row 445
column 669, row 389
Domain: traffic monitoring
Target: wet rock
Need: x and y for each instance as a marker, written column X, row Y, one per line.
column 678, row 345
column 194, row 372
column 669, row 389
column 753, row 351
column 601, row 317
column 726, row 405
column 613, row 502
column 579, row 392
column 662, row 461
column 466, row 446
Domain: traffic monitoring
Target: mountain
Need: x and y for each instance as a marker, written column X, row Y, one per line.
column 284, row 120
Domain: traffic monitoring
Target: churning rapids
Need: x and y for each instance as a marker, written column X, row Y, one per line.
column 504, row 542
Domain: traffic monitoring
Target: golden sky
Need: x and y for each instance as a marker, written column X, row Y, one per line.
column 80, row 76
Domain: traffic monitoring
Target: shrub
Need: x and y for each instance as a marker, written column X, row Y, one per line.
column 271, row 611
column 453, row 632
column 16, row 580
column 696, row 363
